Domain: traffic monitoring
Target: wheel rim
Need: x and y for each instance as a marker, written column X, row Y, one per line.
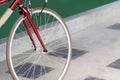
column 56, row 45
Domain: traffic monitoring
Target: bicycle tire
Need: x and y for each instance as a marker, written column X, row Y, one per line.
column 59, row 40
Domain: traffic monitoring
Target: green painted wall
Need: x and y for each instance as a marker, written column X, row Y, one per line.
column 64, row 7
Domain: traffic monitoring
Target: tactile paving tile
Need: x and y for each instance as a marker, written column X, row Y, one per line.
column 93, row 78
column 115, row 64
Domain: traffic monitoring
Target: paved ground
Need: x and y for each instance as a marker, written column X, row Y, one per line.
column 100, row 53
column 96, row 52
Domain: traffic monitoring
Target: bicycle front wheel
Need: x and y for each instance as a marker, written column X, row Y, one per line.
column 25, row 63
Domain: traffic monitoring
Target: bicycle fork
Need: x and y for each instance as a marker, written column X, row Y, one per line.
column 35, row 29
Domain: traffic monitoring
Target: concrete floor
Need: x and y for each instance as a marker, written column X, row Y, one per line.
column 99, row 47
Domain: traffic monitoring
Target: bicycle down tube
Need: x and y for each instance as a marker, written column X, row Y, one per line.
column 8, row 13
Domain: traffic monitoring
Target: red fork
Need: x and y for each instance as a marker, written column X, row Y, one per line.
column 30, row 34
column 35, row 29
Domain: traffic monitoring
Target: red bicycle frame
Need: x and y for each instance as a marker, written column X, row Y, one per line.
column 27, row 14
column 3, row 1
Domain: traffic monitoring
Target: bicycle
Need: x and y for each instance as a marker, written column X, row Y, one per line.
column 39, row 44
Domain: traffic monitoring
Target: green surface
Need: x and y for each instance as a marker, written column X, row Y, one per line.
column 64, row 7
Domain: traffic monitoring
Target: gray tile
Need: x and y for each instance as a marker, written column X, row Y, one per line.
column 78, row 53
column 33, row 68
column 93, row 78
column 75, row 53
column 115, row 26
column 115, row 64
